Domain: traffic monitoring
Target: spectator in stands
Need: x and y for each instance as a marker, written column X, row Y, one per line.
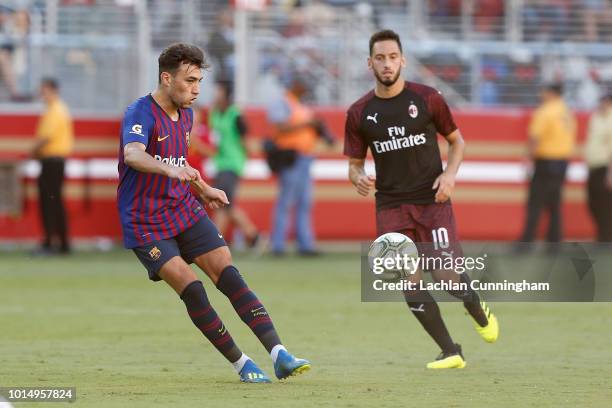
column 296, row 24
column 444, row 8
column 394, row 16
column 444, row 15
column 594, row 15
column 14, row 29
column 319, row 17
column 221, row 45
column 488, row 16
column 54, row 144
column 552, row 133
column 230, row 129
column 546, row 20
column 492, row 71
column 598, row 156
column 297, row 131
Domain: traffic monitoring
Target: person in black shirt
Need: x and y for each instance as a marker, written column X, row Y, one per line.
column 399, row 122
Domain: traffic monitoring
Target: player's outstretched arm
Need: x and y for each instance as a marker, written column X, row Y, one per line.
column 362, row 182
column 445, row 183
column 135, row 156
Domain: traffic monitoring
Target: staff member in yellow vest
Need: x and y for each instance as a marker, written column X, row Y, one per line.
column 552, row 133
column 598, row 156
column 296, row 129
column 54, row 143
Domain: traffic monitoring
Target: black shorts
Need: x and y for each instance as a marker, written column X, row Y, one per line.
column 200, row 238
column 228, row 182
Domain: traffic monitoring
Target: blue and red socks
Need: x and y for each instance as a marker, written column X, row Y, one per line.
column 248, row 307
column 206, row 319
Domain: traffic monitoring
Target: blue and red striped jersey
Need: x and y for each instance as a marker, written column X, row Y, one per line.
column 151, row 206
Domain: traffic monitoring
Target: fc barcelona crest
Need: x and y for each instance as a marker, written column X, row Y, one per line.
column 187, row 139
column 413, row 111
column 155, row 253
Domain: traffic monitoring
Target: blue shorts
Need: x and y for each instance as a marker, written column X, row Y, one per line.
column 199, row 239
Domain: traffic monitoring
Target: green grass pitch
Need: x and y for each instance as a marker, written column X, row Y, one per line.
column 95, row 322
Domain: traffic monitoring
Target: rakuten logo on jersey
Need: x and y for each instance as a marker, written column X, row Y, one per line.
column 172, row 161
column 398, row 141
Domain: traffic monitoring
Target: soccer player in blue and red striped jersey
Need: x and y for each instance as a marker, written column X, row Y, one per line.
column 167, row 227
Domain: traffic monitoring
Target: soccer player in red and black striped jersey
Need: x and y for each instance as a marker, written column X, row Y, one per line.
column 399, row 122
column 167, row 227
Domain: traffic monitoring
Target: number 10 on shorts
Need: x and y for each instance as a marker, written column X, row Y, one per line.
column 440, row 238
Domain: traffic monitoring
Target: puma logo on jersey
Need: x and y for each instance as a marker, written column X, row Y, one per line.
column 421, row 308
column 160, row 139
column 398, row 143
column 373, row 118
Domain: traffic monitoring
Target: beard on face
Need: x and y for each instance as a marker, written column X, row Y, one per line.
column 387, row 82
column 180, row 101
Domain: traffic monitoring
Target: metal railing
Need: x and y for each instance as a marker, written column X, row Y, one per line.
column 478, row 52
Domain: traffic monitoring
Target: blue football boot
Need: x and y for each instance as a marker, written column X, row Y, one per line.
column 250, row 373
column 287, row 365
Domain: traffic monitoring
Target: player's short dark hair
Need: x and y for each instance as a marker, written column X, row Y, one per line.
column 554, row 87
column 227, row 86
column 174, row 55
column 385, row 35
column 50, row 83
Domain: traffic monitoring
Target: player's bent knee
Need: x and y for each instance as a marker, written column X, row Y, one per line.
column 177, row 274
column 214, row 262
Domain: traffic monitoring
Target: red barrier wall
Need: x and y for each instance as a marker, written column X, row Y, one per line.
column 484, row 210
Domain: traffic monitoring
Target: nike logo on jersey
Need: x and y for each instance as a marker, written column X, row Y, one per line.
column 160, row 139
column 373, row 118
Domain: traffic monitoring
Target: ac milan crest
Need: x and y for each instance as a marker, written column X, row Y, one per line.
column 413, row 111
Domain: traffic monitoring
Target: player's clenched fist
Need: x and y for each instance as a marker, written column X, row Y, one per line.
column 445, row 184
column 364, row 184
column 214, row 197
column 184, row 173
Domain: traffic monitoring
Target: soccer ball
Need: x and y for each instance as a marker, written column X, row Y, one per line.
column 383, row 256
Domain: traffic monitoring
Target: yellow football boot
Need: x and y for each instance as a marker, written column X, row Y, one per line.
column 448, row 360
column 490, row 332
